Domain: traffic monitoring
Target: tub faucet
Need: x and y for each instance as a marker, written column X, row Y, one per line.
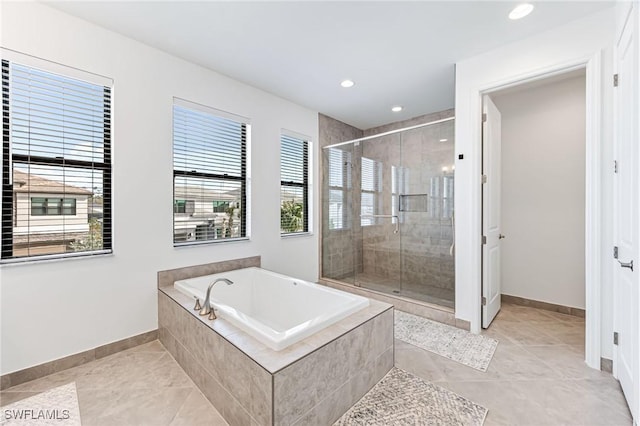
column 207, row 309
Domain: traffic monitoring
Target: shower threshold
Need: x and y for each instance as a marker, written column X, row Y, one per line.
column 428, row 294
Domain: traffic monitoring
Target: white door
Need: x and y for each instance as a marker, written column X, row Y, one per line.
column 627, row 214
column 491, row 204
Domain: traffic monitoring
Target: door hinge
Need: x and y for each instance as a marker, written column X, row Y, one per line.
column 615, row 337
column 615, row 80
column 615, row 166
column 615, row 252
column 484, row 117
column 484, row 239
column 484, row 178
column 484, row 301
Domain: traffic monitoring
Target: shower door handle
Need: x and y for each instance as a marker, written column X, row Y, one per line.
column 387, row 216
column 626, row 264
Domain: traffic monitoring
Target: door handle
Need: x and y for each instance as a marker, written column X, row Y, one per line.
column 626, row 264
column 500, row 237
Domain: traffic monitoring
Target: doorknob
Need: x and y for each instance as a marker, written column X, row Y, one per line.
column 500, row 237
column 626, row 264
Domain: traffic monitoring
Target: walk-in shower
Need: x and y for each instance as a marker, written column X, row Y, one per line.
column 388, row 212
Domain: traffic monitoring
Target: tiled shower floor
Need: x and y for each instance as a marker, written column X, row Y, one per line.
column 537, row 377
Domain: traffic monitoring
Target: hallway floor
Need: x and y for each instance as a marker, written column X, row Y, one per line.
column 537, row 377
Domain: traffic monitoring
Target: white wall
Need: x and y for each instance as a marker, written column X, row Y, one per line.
column 543, row 191
column 571, row 43
column 51, row 310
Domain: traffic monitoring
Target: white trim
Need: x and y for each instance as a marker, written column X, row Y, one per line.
column 296, row 135
column 593, row 184
column 390, row 132
column 210, row 110
column 593, row 213
column 55, row 67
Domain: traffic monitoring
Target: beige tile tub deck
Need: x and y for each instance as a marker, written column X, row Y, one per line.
column 249, row 383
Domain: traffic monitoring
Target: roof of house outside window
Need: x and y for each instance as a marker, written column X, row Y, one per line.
column 26, row 182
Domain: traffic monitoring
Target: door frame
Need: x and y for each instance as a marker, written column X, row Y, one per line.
column 593, row 195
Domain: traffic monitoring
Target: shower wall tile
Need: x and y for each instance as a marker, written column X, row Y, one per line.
column 340, row 257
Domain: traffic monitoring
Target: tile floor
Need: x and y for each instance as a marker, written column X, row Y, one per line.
column 139, row 386
column 537, row 377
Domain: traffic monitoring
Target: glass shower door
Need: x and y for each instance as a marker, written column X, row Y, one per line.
column 377, row 227
column 426, row 214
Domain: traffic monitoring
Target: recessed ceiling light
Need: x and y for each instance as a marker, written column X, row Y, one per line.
column 396, row 108
column 521, row 11
column 443, row 140
column 347, row 83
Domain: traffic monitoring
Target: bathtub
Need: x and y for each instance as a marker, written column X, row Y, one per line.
column 275, row 309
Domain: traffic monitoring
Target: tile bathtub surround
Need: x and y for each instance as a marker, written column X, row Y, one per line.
column 42, row 370
column 168, row 277
column 251, row 384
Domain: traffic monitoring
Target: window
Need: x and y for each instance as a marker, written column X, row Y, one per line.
column 53, row 206
column 184, row 207
column 56, row 162
column 339, row 186
column 371, row 185
column 294, row 185
column 209, row 174
column 220, row 206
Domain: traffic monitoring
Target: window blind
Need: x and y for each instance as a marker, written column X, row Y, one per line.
column 294, row 185
column 56, row 164
column 371, row 186
column 210, row 176
column 338, row 210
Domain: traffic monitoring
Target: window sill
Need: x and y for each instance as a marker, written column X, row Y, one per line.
column 208, row 242
column 296, row 234
column 54, row 258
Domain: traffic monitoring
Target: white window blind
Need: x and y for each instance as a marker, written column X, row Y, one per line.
column 294, row 185
column 339, row 210
column 56, row 170
column 371, row 186
column 210, row 176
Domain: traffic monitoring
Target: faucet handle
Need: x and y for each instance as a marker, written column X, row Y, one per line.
column 212, row 315
column 197, row 307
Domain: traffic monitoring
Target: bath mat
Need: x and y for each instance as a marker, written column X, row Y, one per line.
column 57, row 406
column 472, row 350
column 401, row 398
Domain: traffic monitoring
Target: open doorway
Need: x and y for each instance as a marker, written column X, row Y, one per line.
column 534, row 180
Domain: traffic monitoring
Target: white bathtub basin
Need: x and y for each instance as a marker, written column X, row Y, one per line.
column 275, row 309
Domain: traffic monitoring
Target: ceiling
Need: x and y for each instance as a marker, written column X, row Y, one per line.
column 398, row 53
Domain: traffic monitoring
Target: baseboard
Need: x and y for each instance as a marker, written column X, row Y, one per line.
column 606, row 365
column 31, row 373
column 568, row 310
